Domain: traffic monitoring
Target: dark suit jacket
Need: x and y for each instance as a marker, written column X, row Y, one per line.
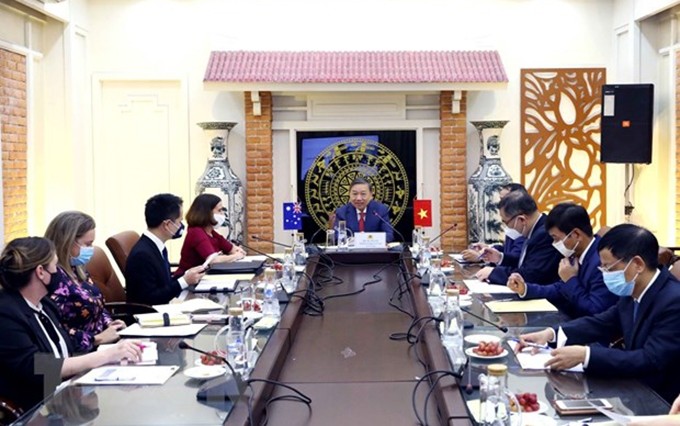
column 511, row 249
column 348, row 213
column 583, row 294
column 540, row 262
column 147, row 276
column 24, row 349
column 652, row 346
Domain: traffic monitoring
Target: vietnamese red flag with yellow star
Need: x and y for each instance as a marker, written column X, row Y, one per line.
column 422, row 212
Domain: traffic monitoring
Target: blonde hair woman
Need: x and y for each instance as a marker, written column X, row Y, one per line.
column 80, row 302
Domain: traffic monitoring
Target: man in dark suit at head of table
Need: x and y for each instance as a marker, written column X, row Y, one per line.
column 363, row 213
column 147, row 272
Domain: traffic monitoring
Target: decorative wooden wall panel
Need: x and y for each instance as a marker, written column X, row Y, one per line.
column 560, row 138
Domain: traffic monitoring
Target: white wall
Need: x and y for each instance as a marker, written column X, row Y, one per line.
column 158, row 36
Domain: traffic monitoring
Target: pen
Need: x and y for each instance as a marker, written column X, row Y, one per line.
column 530, row 344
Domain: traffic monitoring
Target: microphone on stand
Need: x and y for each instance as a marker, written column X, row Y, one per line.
column 375, row 213
column 221, row 388
column 443, row 232
column 502, row 328
column 256, row 238
column 262, row 253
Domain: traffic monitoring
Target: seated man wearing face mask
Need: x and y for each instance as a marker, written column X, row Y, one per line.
column 647, row 315
column 513, row 242
column 538, row 260
column 147, row 272
column 581, row 290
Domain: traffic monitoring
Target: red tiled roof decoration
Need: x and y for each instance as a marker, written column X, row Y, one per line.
column 356, row 67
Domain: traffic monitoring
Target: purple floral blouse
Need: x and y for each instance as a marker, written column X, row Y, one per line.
column 82, row 310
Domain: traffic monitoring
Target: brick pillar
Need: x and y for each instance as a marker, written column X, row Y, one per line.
column 452, row 165
column 259, row 174
column 13, row 135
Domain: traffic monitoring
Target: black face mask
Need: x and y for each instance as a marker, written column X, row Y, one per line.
column 54, row 282
column 179, row 231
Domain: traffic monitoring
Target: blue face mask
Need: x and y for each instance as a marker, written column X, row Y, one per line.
column 84, row 256
column 616, row 281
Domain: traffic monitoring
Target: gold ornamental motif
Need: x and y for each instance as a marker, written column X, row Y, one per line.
column 333, row 170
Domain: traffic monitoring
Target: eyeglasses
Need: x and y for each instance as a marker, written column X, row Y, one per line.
column 507, row 223
column 608, row 268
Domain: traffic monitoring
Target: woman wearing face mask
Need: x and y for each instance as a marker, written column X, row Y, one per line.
column 80, row 302
column 202, row 240
column 35, row 351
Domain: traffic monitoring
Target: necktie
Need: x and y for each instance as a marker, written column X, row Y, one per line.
column 51, row 331
column 636, row 305
column 167, row 261
column 362, row 219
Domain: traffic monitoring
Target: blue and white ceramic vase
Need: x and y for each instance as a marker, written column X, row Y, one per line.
column 219, row 179
column 484, row 222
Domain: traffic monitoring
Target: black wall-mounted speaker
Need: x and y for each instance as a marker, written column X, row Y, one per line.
column 626, row 123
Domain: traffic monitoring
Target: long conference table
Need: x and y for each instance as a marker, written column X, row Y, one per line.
column 351, row 360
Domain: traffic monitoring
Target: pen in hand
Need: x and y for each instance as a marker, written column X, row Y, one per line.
column 529, row 344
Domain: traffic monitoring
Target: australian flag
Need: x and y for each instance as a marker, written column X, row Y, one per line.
column 292, row 216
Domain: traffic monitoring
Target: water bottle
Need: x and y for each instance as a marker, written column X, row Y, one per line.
column 425, row 255
column 452, row 333
column 415, row 239
column 270, row 305
column 288, row 277
column 342, row 236
column 236, row 348
column 495, row 398
column 299, row 249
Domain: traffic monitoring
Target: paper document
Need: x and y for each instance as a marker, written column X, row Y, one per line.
column 210, row 259
column 197, row 304
column 536, row 305
column 261, row 258
column 149, row 352
column 221, row 282
column 458, row 257
column 624, row 419
column 128, row 375
column 530, row 361
column 476, row 286
column 170, row 331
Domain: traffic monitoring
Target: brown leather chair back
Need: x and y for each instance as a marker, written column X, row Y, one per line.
column 102, row 273
column 120, row 246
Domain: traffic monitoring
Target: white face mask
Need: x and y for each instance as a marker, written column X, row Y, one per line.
column 219, row 218
column 559, row 246
column 512, row 233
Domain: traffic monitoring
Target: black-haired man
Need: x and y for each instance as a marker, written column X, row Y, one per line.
column 647, row 315
column 511, row 247
column 363, row 213
column 538, row 260
column 147, row 272
column 581, row 290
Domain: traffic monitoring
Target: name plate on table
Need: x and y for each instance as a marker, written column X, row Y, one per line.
column 369, row 240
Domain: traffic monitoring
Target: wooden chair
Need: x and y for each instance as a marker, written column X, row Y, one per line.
column 120, row 246
column 668, row 258
column 102, row 273
column 9, row 412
